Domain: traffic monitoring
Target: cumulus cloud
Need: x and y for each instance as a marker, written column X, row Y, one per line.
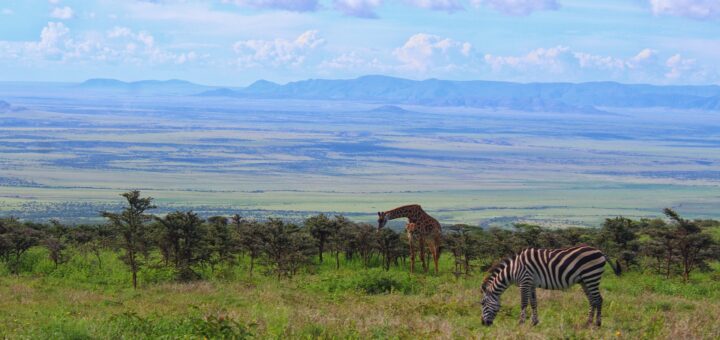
column 689, row 70
column 422, row 52
column 278, row 52
column 289, row 5
column 553, row 60
column 518, row 7
column 62, row 13
column 119, row 45
column 696, row 9
column 355, row 62
column 563, row 63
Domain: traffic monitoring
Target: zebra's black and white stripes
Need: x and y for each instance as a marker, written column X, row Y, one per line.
column 550, row 269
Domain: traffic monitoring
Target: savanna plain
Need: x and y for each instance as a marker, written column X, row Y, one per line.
column 66, row 154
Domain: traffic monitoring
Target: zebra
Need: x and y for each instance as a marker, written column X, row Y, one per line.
column 549, row 269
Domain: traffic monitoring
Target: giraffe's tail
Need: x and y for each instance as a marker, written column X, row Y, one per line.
column 616, row 268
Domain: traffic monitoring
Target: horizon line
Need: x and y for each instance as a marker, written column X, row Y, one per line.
column 355, row 78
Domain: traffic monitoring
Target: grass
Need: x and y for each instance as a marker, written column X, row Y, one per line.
column 79, row 301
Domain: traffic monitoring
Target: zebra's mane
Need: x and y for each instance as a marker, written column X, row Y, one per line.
column 495, row 269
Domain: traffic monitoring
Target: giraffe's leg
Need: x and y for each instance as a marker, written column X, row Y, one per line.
column 533, row 305
column 436, row 251
column 524, row 295
column 412, row 253
column 431, row 248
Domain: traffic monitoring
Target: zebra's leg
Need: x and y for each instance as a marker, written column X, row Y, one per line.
column 591, row 311
column 533, row 305
column 524, row 296
column 598, row 308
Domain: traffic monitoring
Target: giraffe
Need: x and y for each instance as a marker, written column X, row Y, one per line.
column 421, row 227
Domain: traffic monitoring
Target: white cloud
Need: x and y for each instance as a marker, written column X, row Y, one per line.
column 518, row 7
column 119, row 45
column 62, row 13
column 353, row 61
column 358, row 8
column 696, row 9
column 552, row 60
column 7, row 11
column 688, row 70
column 289, row 5
column 422, row 52
column 561, row 63
column 278, row 52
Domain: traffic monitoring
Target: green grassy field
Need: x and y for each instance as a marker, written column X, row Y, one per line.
column 80, row 300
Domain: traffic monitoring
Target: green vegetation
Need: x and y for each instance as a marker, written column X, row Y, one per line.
column 196, row 280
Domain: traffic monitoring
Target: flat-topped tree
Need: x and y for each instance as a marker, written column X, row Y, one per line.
column 421, row 227
column 132, row 229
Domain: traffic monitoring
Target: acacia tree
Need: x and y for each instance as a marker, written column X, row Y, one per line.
column 91, row 239
column 320, row 228
column 618, row 238
column 250, row 238
column 219, row 239
column 340, row 236
column 364, row 239
column 15, row 239
column 464, row 246
column 287, row 247
column 183, row 233
column 55, row 241
column 694, row 248
column 389, row 245
column 132, row 229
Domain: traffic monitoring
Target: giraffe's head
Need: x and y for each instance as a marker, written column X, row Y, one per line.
column 490, row 307
column 382, row 219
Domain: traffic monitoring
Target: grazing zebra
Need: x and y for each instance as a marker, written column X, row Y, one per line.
column 549, row 269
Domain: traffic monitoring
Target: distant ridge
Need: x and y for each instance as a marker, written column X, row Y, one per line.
column 390, row 109
column 4, row 106
column 589, row 97
column 172, row 86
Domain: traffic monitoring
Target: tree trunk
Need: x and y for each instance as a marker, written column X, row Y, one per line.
column 321, row 246
column 252, row 264
column 97, row 255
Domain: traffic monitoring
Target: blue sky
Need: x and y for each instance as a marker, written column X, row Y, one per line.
column 235, row 42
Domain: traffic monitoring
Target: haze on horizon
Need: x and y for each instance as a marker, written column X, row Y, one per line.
column 235, row 42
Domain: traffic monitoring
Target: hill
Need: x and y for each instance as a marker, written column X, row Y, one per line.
column 549, row 97
column 172, row 86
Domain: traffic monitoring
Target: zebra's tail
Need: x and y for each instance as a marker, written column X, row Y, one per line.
column 616, row 268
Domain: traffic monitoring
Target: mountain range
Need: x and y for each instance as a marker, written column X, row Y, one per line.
column 591, row 97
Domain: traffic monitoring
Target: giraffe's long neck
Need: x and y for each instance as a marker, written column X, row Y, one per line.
column 412, row 212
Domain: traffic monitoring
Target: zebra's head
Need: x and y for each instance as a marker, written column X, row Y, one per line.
column 382, row 219
column 490, row 307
